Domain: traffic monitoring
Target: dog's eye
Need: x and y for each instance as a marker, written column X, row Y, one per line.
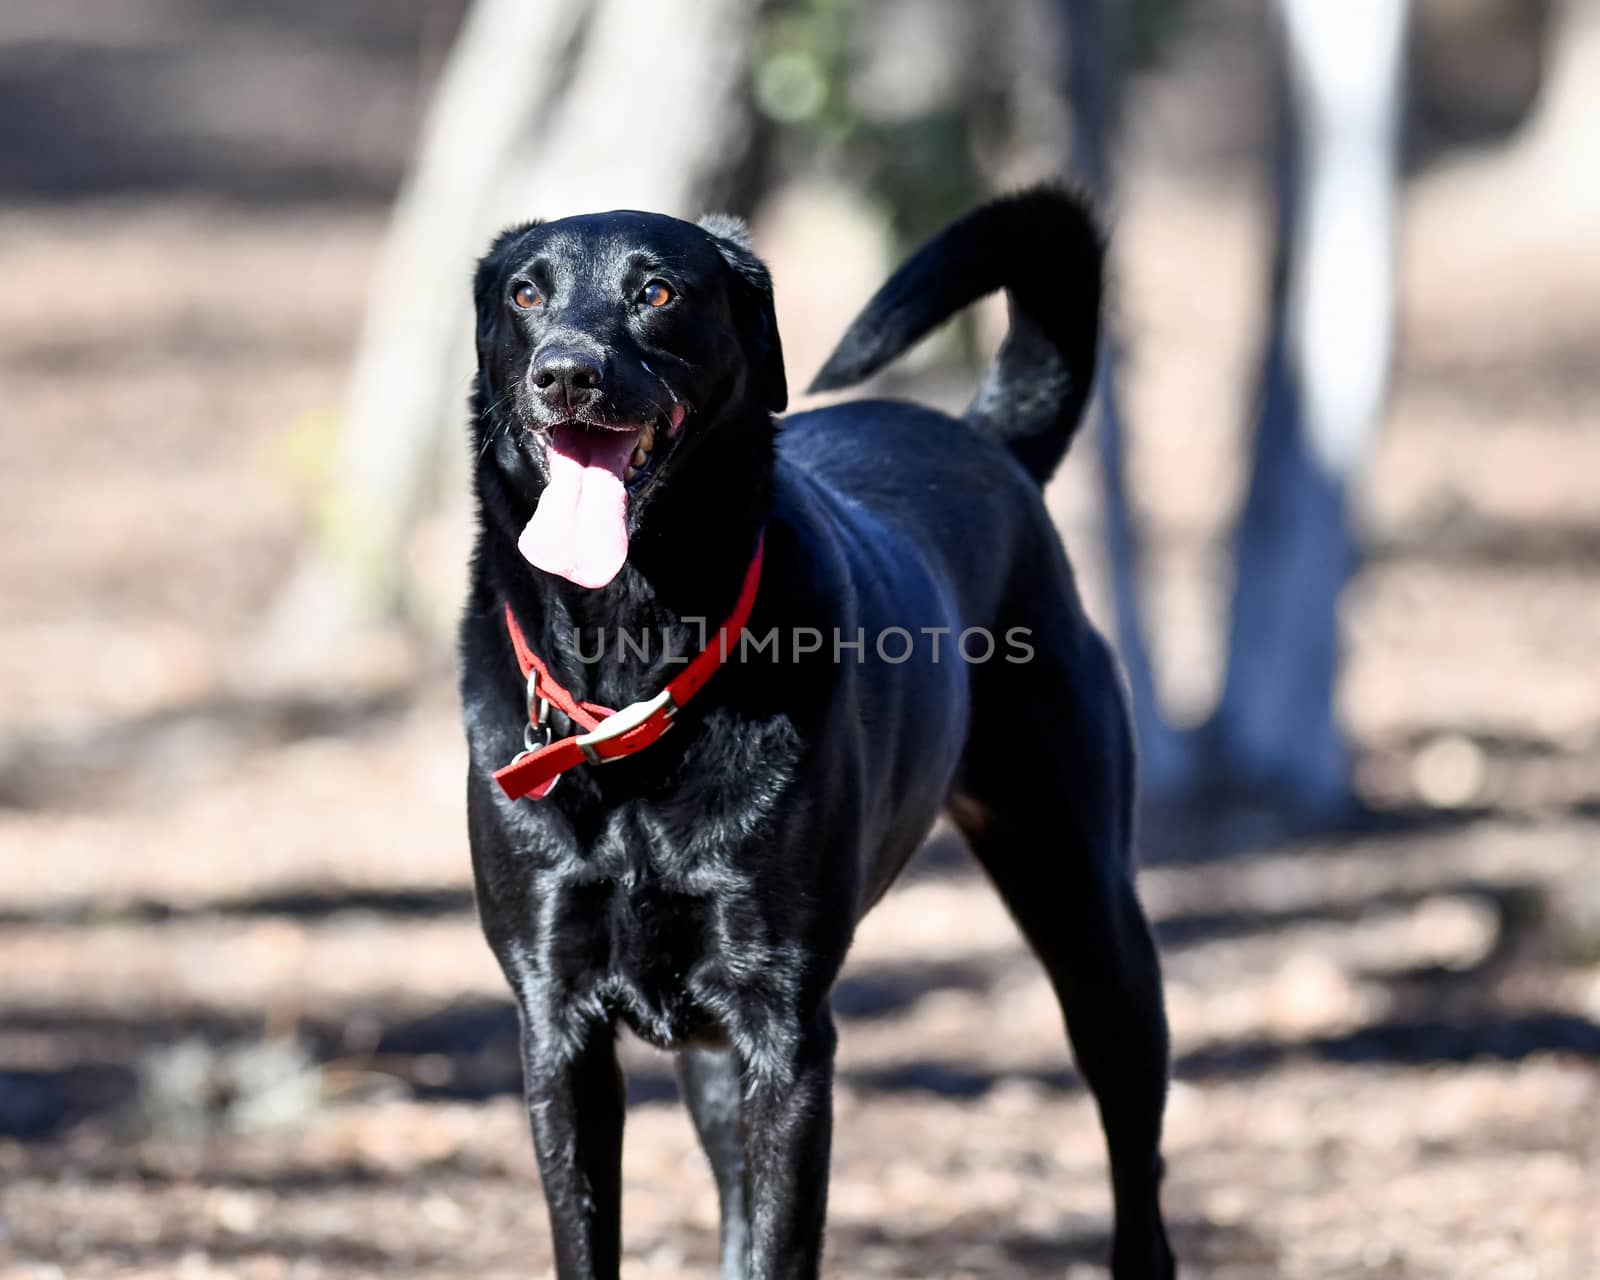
column 655, row 294
column 527, row 296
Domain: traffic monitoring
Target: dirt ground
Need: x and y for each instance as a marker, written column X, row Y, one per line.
column 248, row 1027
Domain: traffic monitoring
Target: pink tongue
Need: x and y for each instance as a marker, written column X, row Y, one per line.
column 580, row 528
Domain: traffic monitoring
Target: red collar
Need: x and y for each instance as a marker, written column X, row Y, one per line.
column 610, row 734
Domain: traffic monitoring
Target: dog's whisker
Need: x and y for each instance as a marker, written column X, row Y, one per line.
column 667, row 386
column 491, row 408
column 493, row 426
column 488, row 440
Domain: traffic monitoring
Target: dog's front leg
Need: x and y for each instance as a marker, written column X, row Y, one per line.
column 575, row 1103
column 788, row 1125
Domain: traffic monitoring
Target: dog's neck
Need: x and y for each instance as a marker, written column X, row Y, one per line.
column 686, row 563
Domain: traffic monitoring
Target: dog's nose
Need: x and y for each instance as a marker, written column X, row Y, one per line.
column 566, row 378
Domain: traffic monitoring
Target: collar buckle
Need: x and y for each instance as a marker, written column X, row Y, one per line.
column 624, row 721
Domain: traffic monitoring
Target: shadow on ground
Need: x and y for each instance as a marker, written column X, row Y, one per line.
column 468, row 1049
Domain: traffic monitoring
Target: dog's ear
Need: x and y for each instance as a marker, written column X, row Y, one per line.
column 752, row 299
column 487, row 275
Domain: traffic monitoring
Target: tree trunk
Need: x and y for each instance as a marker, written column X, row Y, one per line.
column 1092, row 78
column 1323, row 383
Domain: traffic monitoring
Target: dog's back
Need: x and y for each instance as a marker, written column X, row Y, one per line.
column 954, row 488
column 932, row 530
column 962, row 496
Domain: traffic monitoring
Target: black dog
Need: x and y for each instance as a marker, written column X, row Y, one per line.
column 703, row 890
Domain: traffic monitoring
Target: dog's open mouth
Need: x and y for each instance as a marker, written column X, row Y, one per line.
column 580, row 528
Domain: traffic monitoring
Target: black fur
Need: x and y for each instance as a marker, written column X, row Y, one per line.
column 704, row 891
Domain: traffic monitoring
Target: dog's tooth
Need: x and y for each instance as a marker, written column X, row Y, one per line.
column 638, row 457
column 629, row 473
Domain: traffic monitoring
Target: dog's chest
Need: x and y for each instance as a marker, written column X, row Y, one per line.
column 670, row 955
column 661, row 959
column 669, row 908
column 663, row 909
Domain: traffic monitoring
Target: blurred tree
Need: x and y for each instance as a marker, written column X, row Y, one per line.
column 1563, row 121
column 1274, row 732
column 1093, row 73
column 1323, row 383
column 887, row 96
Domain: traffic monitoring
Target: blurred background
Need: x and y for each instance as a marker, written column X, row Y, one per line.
column 1339, row 508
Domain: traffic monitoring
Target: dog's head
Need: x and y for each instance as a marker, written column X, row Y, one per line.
column 613, row 348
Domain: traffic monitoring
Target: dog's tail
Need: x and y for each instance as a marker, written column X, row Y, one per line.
column 1044, row 249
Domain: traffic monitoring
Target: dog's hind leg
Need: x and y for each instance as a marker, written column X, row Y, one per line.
column 710, row 1083
column 1045, row 801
